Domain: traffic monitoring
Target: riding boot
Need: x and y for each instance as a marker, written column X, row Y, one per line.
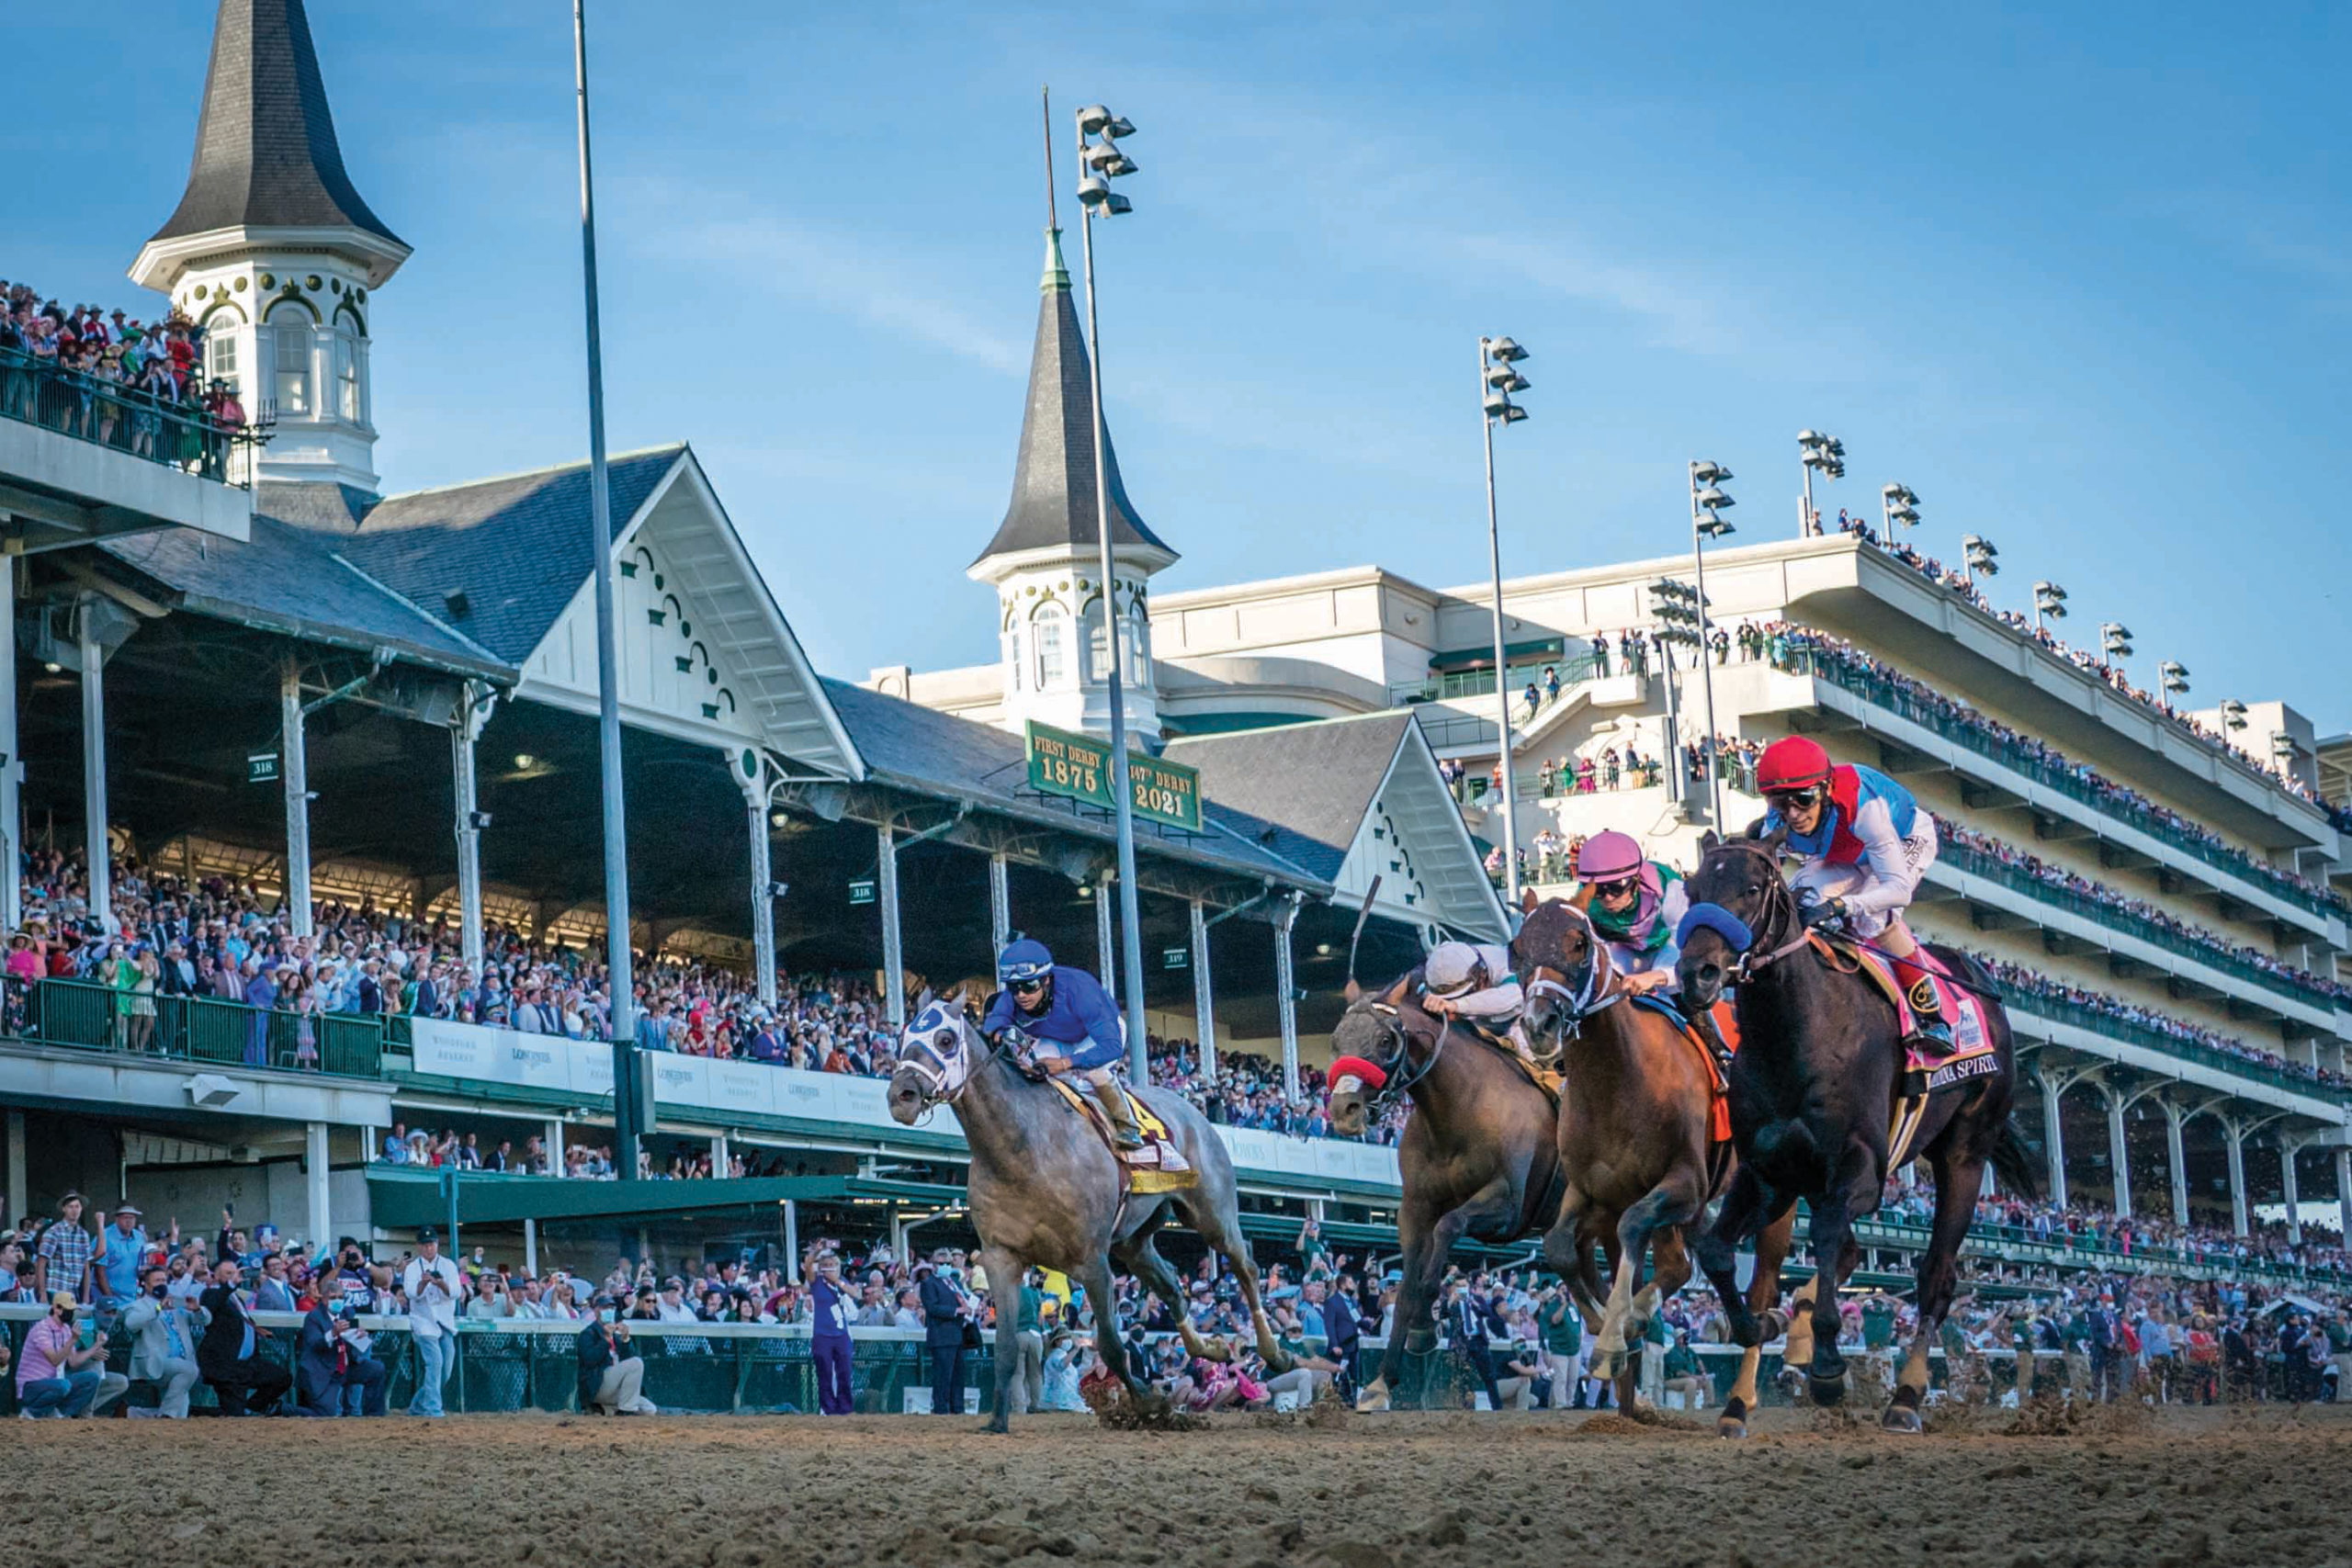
column 1124, row 1130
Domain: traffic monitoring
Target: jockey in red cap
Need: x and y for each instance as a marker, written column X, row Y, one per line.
column 1636, row 905
column 1866, row 843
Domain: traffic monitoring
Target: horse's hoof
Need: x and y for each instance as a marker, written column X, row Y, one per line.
column 1827, row 1392
column 1730, row 1427
column 1902, row 1418
column 1374, row 1398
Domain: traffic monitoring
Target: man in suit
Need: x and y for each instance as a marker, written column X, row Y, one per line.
column 2104, row 1332
column 943, row 1336
column 163, row 1343
column 1342, row 1334
column 246, row 1384
column 332, row 1364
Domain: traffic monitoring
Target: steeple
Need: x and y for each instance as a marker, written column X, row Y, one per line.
column 1053, row 476
column 275, row 252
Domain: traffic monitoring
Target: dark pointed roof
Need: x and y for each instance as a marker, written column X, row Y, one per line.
column 266, row 153
column 1052, row 479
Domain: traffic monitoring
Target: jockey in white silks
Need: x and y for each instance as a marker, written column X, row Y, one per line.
column 1636, row 905
column 1472, row 982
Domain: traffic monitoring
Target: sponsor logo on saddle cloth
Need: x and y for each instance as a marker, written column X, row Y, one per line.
column 1158, row 1167
column 1971, row 1053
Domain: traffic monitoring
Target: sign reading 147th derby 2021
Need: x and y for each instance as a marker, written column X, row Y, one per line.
column 1079, row 766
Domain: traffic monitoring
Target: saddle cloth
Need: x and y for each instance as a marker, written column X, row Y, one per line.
column 1971, row 1053
column 1718, row 1089
column 1158, row 1167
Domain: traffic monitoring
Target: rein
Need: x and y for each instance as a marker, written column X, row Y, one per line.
column 1407, row 1073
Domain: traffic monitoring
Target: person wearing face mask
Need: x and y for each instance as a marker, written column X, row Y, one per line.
column 611, row 1375
column 56, row 1376
column 163, row 1343
column 333, row 1369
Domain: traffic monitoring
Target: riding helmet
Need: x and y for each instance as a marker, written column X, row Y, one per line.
column 1794, row 761
column 1023, row 960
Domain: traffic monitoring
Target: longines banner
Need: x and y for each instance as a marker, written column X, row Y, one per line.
column 1079, row 767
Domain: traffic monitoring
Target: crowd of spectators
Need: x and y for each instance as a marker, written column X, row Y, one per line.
column 2025, row 864
column 111, row 379
column 2113, row 674
column 1792, row 646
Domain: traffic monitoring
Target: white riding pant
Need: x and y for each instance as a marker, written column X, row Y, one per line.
column 1823, row 879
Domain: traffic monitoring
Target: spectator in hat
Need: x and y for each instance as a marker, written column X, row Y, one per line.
column 56, row 1375
column 163, row 1330
column 114, row 1270
column 434, row 1286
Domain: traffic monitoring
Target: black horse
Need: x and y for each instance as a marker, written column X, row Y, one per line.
column 1813, row 1090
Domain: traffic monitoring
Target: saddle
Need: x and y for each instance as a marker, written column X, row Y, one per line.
column 1158, row 1167
column 1971, row 1053
column 1718, row 1087
column 1545, row 1079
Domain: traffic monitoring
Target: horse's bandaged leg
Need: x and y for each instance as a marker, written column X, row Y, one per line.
column 1799, row 1351
column 1915, row 1365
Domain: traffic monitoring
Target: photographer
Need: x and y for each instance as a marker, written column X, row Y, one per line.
column 433, row 1287
column 610, row 1374
column 1561, row 1327
column 333, row 1364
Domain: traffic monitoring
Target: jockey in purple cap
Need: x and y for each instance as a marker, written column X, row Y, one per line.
column 1635, row 903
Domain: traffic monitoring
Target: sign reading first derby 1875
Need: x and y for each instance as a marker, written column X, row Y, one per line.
column 1079, row 766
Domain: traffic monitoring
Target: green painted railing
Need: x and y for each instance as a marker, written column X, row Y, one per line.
column 2054, row 1011
column 194, row 1029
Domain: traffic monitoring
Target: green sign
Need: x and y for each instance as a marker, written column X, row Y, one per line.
column 1175, row 957
column 1079, row 766
column 261, row 767
column 862, row 890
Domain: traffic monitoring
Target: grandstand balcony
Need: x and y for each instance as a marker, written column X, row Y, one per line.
column 82, row 460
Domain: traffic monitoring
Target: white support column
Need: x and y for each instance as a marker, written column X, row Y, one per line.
column 294, row 773
column 1285, row 992
column 1107, row 946
column 1204, row 993
column 315, row 1170
column 720, row 1155
column 94, row 768
column 1000, row 904
column 2343, row 1190
column 2054, row 1134
column 17, row 1192
column 12, row 767
column 474, row 713
column 2117, row 1148
column 2174, row 1119
column 530, row 1247
column 894, row 963
column 756, row 802
column 2235, row 1133
column 792, row 1241
column 2291, row 1190
column 553, row 1139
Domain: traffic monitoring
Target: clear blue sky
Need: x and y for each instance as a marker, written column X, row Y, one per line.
column 2082, row 276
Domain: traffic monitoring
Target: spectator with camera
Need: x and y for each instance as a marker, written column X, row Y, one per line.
column 432, row 1285
column 612, row 1376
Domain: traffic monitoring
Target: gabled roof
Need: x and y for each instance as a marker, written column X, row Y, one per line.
column 1053, row 504
column 1315, row 782
column 265, row 150
column 938, row 753
column 517, row 547
column 286, row 580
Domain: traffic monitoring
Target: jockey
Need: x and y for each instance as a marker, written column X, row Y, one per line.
column 1472, row 982
column 1070, row 1023
column 1866, row 844
column 1637, row 904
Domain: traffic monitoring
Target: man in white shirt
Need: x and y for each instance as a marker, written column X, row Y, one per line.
column 433, row 1285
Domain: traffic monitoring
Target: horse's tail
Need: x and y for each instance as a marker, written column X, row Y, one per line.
column 2013, row 1163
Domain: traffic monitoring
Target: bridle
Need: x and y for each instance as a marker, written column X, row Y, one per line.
column 1406, row 1072
column 1778, row 914
column 944, row 1076
column 1583, row 993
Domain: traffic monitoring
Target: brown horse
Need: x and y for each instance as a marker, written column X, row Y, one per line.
column 1478, row 1157
column 1638, row 1157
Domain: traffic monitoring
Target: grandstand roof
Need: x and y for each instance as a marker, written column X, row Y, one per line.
column 1053, row 503
column 515, row 547
column 265, row 151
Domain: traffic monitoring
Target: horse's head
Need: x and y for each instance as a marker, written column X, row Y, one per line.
column 935, row 1058
column 1387, row 1033
column 1738, row 901
column 1552, row 954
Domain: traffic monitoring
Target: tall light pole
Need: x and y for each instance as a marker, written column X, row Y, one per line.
column 630, row 1116
column 1499, row 378
column 1983, row 560
column 1675, row 605
column 2172, row 677
column 2115, row 641
column 1898, row 508
column 1101, row 162
column 2049, row 601
column 1827, row 453
column 1707, row 504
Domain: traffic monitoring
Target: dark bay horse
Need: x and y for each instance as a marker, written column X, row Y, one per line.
column 1478, row 1155
column 1638, row 1159
column 1044, row 1190
column 1813, row 1095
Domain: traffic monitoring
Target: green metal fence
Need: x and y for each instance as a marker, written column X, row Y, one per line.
column 194, row 1029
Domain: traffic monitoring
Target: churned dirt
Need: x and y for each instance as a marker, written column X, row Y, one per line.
column 2187, row 1487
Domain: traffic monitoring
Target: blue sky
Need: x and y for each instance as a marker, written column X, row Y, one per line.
column 2082, row 276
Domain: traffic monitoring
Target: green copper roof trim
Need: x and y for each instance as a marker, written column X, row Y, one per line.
column 1056, row 270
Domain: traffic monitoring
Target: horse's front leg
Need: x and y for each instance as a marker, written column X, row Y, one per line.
column 1423, row 1266
column 1763, row 1293
column 1744, row 1207
column 1832, row 1236
column 1005, row 1273
column 1095, row 1279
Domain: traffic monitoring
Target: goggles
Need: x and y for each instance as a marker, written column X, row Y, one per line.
column 1803, row 799
column 1029, row 986
column 1618, row 887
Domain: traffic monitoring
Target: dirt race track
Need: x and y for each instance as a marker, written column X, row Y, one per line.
column 2251, row 1489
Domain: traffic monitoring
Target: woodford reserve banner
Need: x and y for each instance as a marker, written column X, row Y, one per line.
column 1079, row 766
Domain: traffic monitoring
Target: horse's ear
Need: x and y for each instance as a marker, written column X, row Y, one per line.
column 1707, row 841
column 1527, row 902
column 923, row 999
column 1355, row 993
column 1772, row 841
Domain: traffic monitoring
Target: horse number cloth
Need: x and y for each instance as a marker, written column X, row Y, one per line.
column 1158, row 1167
column 1718, row 1090
column 1971, row 1053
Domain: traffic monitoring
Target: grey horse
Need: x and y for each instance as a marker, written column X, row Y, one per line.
column 1045, row 1190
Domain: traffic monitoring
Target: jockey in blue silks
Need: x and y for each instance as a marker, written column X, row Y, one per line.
column 1070, row 1024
